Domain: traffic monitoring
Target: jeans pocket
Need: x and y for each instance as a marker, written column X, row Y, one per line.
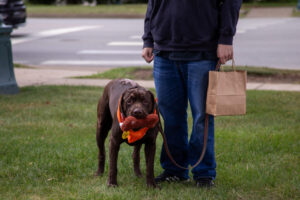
column 165, row 68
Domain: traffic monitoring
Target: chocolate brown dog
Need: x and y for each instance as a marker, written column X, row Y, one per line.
column 132, row 100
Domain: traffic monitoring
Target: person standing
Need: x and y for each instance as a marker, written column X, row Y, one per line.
column 186, row 39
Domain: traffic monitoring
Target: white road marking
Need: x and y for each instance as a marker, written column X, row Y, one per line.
column 61, row 31
column 125, row 52
column 96, row 62
column 125, row 43
column 240, row 31
column 52, row 32
column 19, row 40
column 136, row 37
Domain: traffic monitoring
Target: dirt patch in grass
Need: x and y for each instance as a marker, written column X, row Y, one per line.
column 78, row 11
column 296, row 13
column 143, row 74
column 92, row 15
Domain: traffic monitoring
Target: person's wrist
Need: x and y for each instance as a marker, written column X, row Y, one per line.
column 148, row 44
column 224, row 45
column 225, row 40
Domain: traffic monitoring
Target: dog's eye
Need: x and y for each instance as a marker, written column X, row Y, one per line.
column 145, row 102
column 130, row 101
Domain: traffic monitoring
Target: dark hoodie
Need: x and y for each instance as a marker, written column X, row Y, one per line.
column 190, row 25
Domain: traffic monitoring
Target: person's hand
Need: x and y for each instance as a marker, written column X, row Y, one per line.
column 224, row 53
column 148, row 54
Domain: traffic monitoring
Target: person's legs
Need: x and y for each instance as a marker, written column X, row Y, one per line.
column 172, row 103
column 197, row 88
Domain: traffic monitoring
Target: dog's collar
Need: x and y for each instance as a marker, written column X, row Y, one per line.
column 131, row 135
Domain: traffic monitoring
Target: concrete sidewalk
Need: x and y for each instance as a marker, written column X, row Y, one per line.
column 64, row 76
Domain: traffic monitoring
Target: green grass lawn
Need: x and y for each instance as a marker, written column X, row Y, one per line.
column 145, row 73
column 16, row 65
column 48, row 150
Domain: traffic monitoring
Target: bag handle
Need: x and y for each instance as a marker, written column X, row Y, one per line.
column 220, row 65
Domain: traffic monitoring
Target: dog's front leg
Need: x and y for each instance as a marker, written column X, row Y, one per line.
column 136, row 160
column 150, row 148
column 114, row 147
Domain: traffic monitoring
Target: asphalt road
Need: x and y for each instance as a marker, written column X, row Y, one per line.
column 270, row 42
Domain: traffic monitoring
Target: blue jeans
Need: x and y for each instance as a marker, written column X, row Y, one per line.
column 176, row 82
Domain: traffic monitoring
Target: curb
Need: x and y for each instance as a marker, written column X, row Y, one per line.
column 100, row 16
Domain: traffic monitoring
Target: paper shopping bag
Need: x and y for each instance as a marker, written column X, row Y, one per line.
column 226, row 94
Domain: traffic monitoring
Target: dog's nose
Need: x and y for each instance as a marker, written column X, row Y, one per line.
column 137, row 113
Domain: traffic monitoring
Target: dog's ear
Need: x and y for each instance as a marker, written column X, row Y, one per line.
column 155, row 108
column 154, row 104
column 122, row 107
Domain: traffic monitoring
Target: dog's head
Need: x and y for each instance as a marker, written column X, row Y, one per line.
column 137, row 102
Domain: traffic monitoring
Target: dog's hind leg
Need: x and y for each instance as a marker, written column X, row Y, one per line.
column 136, row 160
column 103, row 126
column 114, row 147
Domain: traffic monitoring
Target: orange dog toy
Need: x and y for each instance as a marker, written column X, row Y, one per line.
column 129, row 123
column 132, row 123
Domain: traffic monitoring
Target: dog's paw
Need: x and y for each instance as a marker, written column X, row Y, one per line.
column 138, row 174
column 112, row 185
column 98, row 173
column 153, row 185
